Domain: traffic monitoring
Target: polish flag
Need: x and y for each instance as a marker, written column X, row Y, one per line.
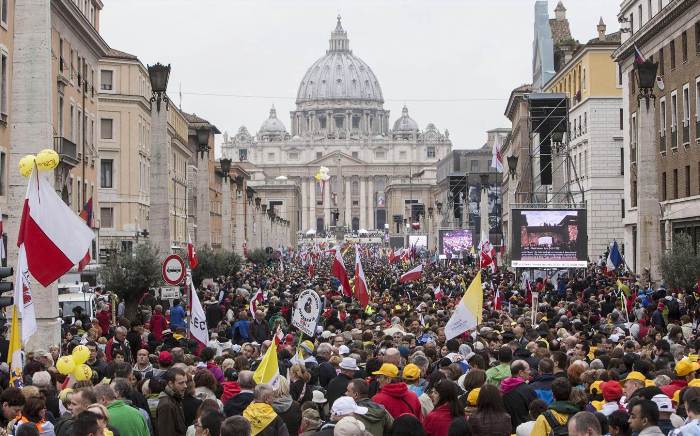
column 392, row 257
column 54, row 237
column 310, row 267
column 497, row 300
column 340, row 273
column 412, row 275
column 257, row 297
column 279, row 336
column 438, row 293
column 360, row 282
column 191, row 253
column 2, row 240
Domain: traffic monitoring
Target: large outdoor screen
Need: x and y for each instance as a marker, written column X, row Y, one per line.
column 455, row 242
column 549, row 238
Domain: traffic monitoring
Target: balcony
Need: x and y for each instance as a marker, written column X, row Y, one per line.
column 686, row 133
column 662, row 143
column 66, row 149
column 674, row 139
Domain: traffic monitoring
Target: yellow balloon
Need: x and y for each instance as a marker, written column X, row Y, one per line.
column 65, row 365
column 47, row 160
column 318, row 177
column 81, row 354
column 82, row 372
column 26, row 165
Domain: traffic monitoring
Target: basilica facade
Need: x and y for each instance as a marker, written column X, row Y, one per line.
column 382, row 175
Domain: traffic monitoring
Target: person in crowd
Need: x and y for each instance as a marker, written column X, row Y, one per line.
column 143, row 366
column 377, row 420
column 170, row 414
column 490, row 417
column 517, row 394
column 34, row 415
column 230, row 385
column 584, row 424
column 87, row 424
column 286, row 407
column 262, row 417
column 177, row 315
column 558, row 413
column 644, row 416
column 240, row 401
column 339, row 384
column 394, row 394
column 235, row 426
column 542, row 383
column 612, row 392
column 122, row 416
column 118, row 344
column 447, row 408
column 537, row 407
column 618, row 423
column 343, row 407
column 12, row 401
column 501, row 371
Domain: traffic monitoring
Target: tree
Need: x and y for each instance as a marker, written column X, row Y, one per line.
column 258, row 256
column 681, row 266
column 214, row 264
column 130, row 274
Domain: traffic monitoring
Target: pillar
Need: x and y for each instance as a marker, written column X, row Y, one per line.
column 226, row 219
column 312, row 204
column 304, row 203
column 327, row 204
column 203, row 201
column 348, row 202
column 484, row 214
column 363, row 203
column 370, row 199
column 648, row 212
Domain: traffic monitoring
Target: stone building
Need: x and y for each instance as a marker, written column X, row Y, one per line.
column 595, row 169
column 377, row 170
column 661, row 140
column 7, row 23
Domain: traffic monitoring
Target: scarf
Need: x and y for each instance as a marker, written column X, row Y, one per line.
column 260, row 415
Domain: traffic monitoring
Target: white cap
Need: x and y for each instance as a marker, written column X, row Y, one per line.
column 318, row 397
column 343, row 350
column 345, row 406
column 349, row 363
column 663, row 402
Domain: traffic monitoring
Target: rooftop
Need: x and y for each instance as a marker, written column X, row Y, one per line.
column 118, row 54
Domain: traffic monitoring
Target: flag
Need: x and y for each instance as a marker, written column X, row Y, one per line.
column 310, row 267
column 198, row 319
column 86, row 215
column 614, row 257
column 623, row 287
column 191, row 253
column 438, row 293
column 528, row 291
column 467, row 314
column 253, row 306
column 54, row 237
column 496, row 159
column 14, row 353
column 23, row 296
column 360, row 282
column 412, row 275
column 2, row 240
column 279, row 336
column 638, row 56
column 268, row 372
column 339, row 272
column 497, row 300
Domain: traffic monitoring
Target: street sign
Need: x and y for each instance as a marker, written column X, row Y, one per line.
column 168, row 293
column 306, row 312
column 173, row 269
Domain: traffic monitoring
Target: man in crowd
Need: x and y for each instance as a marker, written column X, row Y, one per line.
column 237, row 404
column 262, row 417
column 171, row 417
column 394, row 394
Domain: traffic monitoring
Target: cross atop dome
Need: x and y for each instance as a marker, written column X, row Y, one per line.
column 339, row 39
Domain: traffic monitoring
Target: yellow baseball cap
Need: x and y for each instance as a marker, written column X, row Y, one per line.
column 594, row 388
column 473, row 396
column 411, row 372
column 388, row 369
column 685, row 367
column 308, row 346
column 635, row 375
column 649, row 383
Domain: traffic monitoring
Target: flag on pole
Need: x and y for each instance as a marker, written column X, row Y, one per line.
column 198, row 318
column 191, row 253
column 412, row 275
column 497, row 300
column 279, row 336
column 253, row 306
column 360, row 282
column 638, row 56
column 496, row 159
column 438, row 293
column 86, row 215
column 14, row 353
column 54, row 237
column 268, row 371
column 614, row 257
column 467, row 314
column 340, row 273
column 23, row 296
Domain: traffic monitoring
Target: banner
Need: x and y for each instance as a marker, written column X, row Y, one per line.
column 198, row 319
column 307, row 309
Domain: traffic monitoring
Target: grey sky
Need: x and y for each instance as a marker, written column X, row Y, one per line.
column 453, row 63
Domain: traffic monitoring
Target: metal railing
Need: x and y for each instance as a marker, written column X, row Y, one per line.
column 674, row 139
column 662, row 143
column 66, row 149
column 686, row 133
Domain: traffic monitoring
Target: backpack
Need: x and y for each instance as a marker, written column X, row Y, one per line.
column 557, row 429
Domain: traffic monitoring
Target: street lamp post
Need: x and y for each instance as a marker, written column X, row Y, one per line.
column 159, row 75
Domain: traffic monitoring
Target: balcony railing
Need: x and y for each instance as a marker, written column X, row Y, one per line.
column 686, row 133
column 662, row 143
column 674, row 139
column 66, row 149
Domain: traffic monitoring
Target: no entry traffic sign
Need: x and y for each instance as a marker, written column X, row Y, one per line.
column 173, row 269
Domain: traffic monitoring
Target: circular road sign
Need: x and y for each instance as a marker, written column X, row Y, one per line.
column 173, row 269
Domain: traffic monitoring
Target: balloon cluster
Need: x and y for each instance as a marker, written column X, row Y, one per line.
column 75, row 363
column 322, row 175
column 45, row 160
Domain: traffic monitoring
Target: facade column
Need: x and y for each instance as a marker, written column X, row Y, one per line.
column 203, row 201
column 363, row 202
column 370, row 199
column 226, row 219
column 238, row 219
column 484, row 214
column 648, row 212
column 304, row 203
column 348, row 202
column 327, row 204
column 312, row 204
column 348, row 123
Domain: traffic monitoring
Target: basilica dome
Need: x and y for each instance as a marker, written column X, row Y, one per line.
column 339, row 75
column 405, row 124
column 272, row 125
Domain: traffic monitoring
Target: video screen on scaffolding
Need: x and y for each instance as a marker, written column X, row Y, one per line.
column 554, row 238
column 455, row 243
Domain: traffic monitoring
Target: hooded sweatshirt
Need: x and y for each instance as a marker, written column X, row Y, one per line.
column 397, row 400
column 517, row 396
column 495, row 375
column 231, row 388
column 377, row 420
column 289, row 411
column 216, row 371
column 561, row 410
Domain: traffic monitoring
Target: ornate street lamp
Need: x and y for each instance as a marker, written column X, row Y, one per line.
column 264, row 208
column 484, row 181
column 249, row 195
column 225, row 166
column 257, row 202
column 438, row 205
column 159, row 75
column 203, row 141
column 646, row 74
column 430, row 211
column 512, row 165
column 239, row 183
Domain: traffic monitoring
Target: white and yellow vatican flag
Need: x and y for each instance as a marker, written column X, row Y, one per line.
column 467, row 313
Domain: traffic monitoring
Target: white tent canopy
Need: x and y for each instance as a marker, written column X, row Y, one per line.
column 311, row 232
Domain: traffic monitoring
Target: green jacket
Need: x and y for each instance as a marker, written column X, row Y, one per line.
column 495, row 375
column 126, row 419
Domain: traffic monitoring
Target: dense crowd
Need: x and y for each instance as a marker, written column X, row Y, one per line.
column 601, row 354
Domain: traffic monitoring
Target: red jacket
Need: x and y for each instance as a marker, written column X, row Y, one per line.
column 231, row 388
column 675, row 385
column 398, row 400
column 437, row 423
column 158, row 324
column 104, row 318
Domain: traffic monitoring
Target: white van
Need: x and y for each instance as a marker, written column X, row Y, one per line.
column 67, row 302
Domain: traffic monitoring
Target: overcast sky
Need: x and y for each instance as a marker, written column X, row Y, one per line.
column 453, row 63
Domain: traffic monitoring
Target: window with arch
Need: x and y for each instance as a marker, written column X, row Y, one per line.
column 355, row 187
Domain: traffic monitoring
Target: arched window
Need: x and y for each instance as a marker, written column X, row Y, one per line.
column 355, row 223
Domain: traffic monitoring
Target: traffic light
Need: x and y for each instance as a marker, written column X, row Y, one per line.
column 5, row 301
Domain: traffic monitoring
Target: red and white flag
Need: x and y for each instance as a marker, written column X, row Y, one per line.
column 310, row 267
column 279, row 336
column 191, row 253
column 360, row 282
column 438, row 293
column 198, row 318
column 340, row 273
column 2, row 240
column 23, row 296
column 412, row 275
column 497, row 300
column 54, row 237
column 258, row 297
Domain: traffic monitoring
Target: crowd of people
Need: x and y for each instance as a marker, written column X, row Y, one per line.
column 590, row 357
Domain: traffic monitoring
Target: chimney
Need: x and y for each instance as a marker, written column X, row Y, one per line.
column 601, row 29
column 560, row 12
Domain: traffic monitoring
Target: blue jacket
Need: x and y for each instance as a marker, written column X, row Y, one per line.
column 542, row 386
column 240, row 331
column 177, row 316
